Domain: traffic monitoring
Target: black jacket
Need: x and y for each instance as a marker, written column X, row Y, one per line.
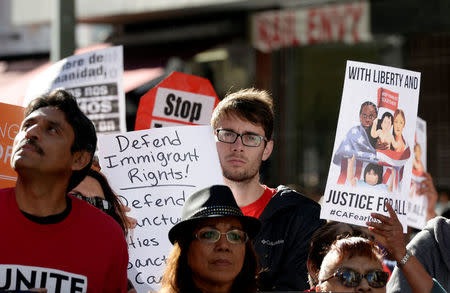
column 288, row 222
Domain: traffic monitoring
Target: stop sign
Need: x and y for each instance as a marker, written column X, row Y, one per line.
column 180, row 99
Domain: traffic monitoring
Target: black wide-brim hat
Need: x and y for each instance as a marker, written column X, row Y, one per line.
column 211, row 202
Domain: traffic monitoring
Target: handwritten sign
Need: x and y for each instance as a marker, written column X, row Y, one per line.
column 154, row 171
column 418, row 204
column 95, row 79
column 12, row 117
column 180, row 99
column 372, row 155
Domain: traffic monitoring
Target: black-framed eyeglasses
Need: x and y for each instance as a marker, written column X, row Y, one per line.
column 209, row 235
column 350, row 278
column 96, row 201
column 247, row 139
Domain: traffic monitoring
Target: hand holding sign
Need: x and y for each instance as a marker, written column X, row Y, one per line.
column 426, row 188
column 389, row 232
column 372, row 155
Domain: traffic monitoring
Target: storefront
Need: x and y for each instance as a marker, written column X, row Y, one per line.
column 300, row 57
column 297, row 50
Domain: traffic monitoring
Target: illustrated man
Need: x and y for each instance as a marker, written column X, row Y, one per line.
column 243, row 125
column 52, row 240
column 359, row 142
column 367, row 114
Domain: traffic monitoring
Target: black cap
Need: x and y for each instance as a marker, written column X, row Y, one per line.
column 210, row 202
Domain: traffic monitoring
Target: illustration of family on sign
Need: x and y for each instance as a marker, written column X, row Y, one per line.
column 373, row 153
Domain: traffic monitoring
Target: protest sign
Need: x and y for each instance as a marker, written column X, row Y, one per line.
column 418, row 204
column 12, row 117
column 180, row 99
column 154, row 171
column 95, row 79
column 372, row 155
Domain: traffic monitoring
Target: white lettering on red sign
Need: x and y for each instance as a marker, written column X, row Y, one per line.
column 348, row 22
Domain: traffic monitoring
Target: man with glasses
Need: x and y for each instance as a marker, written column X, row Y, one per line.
column 243, row 125
column 360, row 143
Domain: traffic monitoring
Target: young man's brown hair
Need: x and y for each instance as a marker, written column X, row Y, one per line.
column 249, row 104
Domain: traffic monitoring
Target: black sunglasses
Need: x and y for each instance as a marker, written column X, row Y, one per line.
column 350, row 278
column 96, row 201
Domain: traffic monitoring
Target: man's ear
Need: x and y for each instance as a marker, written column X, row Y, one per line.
column 267, row 150
column 80, row 160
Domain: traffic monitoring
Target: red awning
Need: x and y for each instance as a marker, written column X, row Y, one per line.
column 14, row 82
column 15, row 76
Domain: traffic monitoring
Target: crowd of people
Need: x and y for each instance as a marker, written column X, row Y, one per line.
column 65, row 226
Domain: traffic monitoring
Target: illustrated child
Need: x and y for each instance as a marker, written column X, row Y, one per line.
column 373, row 175
column 382, row 129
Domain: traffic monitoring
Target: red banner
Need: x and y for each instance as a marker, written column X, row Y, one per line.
column 387, row 99
column 347, row 22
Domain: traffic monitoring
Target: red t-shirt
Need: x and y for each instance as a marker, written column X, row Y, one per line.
column 85, row 252
column 256, row 208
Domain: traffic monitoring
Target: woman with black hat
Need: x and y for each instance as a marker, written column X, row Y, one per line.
column 212, row 249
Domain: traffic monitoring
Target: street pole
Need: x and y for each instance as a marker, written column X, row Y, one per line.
column 62, row 29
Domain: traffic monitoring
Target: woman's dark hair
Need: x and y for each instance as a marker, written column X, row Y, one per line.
column 115, row 212
column 178, row 275
column 377, row 169
column 321, row 241
column 385, row 114
column 356, row 246
column 84, row 130
column 348, row 248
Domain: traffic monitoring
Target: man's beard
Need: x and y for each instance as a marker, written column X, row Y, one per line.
column 242, row 176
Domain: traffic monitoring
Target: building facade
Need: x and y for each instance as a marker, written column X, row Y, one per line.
column 296, row 49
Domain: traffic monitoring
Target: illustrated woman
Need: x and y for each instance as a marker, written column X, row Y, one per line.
column 399, row 124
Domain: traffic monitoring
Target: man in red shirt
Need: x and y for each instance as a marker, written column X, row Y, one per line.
column 53, row 241
column 243, row 125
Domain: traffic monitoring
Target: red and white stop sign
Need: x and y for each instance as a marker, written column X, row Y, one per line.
column 180, row 99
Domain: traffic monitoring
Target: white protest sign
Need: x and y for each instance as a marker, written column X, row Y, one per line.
column 372, row 155
column 95, row 79
column 154, row 171
column 183, row 106
column 418, row 204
